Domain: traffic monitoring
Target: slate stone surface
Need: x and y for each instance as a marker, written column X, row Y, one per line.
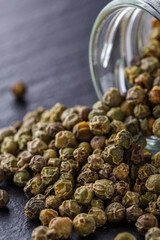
column 45, row 44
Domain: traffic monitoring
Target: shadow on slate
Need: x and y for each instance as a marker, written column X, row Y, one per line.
column 45, row 44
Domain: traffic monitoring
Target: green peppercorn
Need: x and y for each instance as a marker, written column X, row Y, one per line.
column 124, row 139
column 53, row 201
column 156, row 111
column 8, row 164
column 113, row 154
column 156, row 127
column 36, row 146
column 95, row 162
column 152, row 183
column 53, row 128
column 105, row 171
column 56, row 112
column 33, row 208
column 66, row 153
column 98, row 203
column 103, row 188
column 115, row 114
column 68, row 176
column 115, row 212
column 49, row 153
column 132, row 125
column 153, row 95
column 6, row 132
column 69, row 208
column 33, row 187
column 84, row 194
column 101, row 106
column 121, row 187
column 81, row 155
column 40, row 233
column 82, row 131
column 60, row 228
column 149, row 64
column 65, row 139
column 121, row 172
column 4, row 198
column 63, row 188
column 70, row 120
column 70, row 166
column 9, row 146
column 131, row 73
column 127, row 108
column 96, row 112
column 21, row 177
column 46, row 215
column 67, row 112
column 136, row 95
column 145, row 222
column 24, row 159
column 130, row 198
column 49, row 175
column 145, row 171
column 117, row 126
column 144, row 80
column 141, row 111
column 83, row 112
column 54, row 162
column 133, row 213
column 99, row 125
column 84, row 224
column 98, row 215
column 37, row 163
column 146, row 198
column 124, row 236
column 153, row 233
column 87, row 176
column 112, row 97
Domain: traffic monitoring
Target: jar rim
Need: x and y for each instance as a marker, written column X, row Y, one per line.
column 149, row 6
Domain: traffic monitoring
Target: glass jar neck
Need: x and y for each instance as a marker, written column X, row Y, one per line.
column 118, row 34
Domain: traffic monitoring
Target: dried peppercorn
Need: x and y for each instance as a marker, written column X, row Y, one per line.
column 69, row 208
column 33, row 187
column 65, row 139
column 103, row 188
column 133, row 213
column 21, row 177
column 46, row 215
column 18, row 89
column 40, row 233
column 130, row 198
column 60, row 227
column 33, row 208
column 53, row 201
column 4, row 198
column 145, row 222
column 115, row 212
column 63, row 188
column 153, row 233
column 99, row 125
column 112, row 97
column 84, row 224
column 84, row 194
column 124, row 236
column 98, row 215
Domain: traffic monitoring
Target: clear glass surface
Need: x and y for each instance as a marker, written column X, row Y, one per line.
column 119, row 33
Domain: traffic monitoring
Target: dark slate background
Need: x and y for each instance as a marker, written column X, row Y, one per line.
column 45, row 44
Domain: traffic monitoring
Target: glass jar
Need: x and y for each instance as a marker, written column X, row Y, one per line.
column 119, row 33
